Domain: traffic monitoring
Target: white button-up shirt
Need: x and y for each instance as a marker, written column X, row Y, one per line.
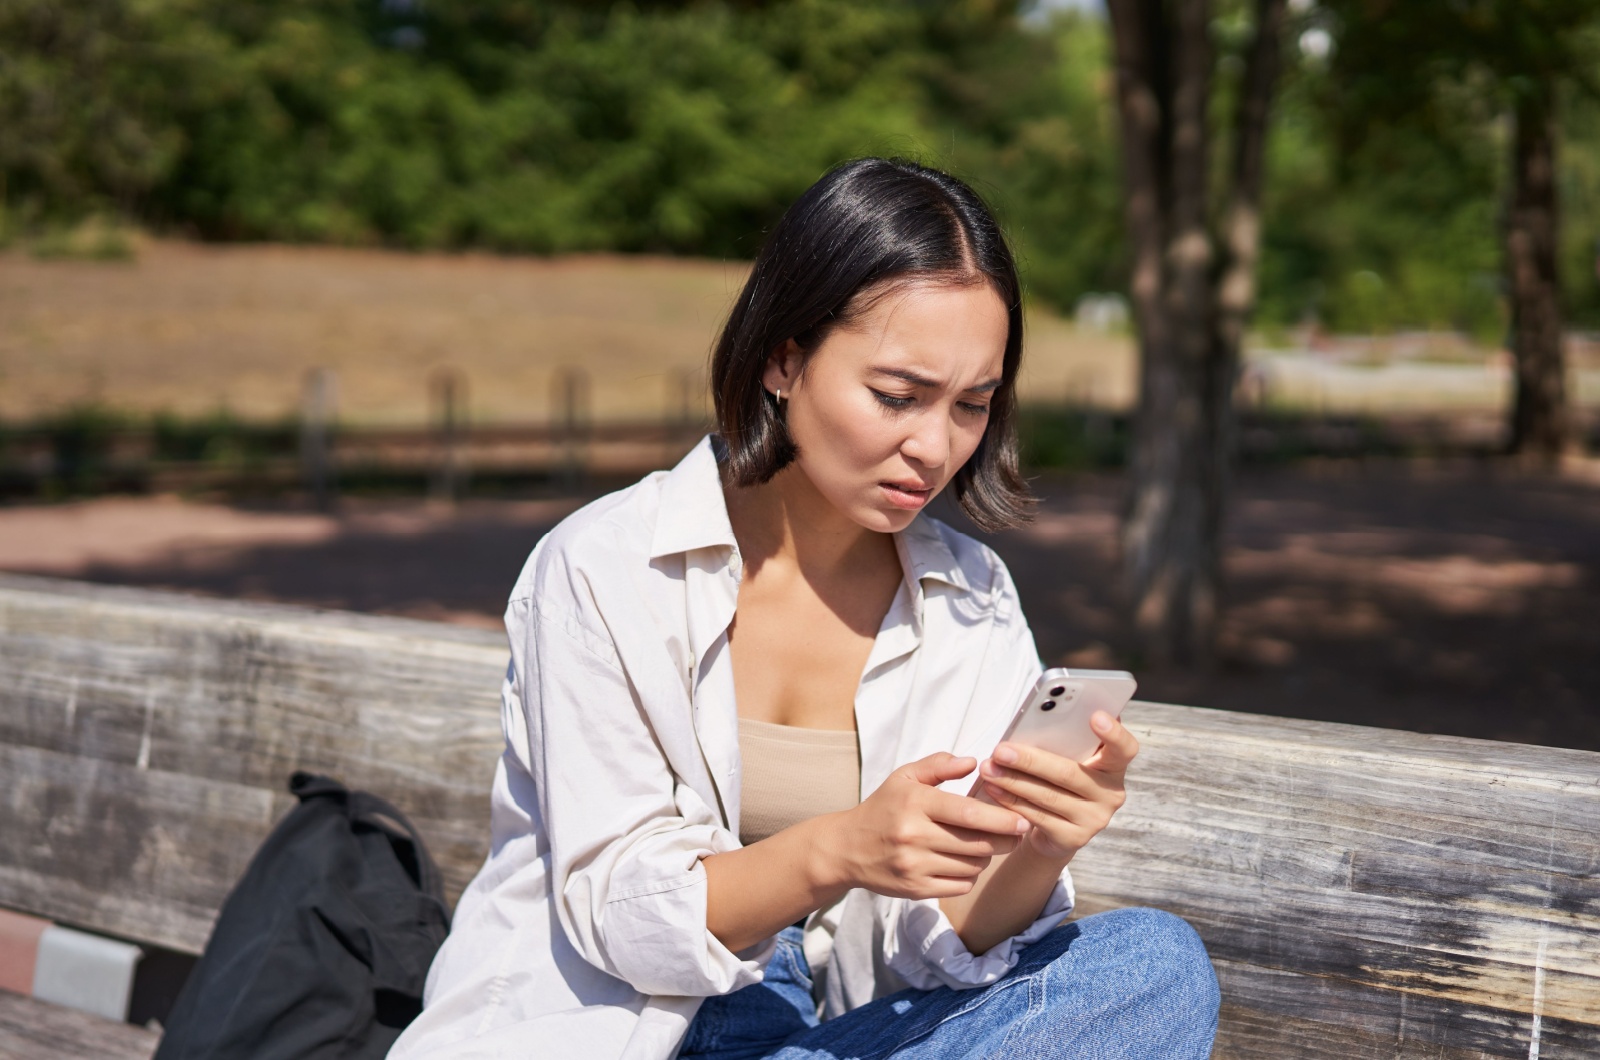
column 584, row 934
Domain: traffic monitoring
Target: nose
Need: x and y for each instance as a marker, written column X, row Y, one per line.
column 928, row 444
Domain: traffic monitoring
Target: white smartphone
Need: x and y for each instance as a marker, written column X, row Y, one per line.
column 1055, row 716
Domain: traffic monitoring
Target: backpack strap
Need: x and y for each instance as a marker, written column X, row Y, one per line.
column 375, row 812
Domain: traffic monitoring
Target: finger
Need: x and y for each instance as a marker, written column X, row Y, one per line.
column 946, row 887
column 1052, row 768
column 1066, row 801
column 938, row 768
column 964, row 812
column 1057, row 830
column 1117, row 745
column 1045, row 796
column 954, row 866
column 968, row 843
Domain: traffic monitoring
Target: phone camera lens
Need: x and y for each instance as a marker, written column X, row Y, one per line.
column 1057, row 690
column 1048, row 704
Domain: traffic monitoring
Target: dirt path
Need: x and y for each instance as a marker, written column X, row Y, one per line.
column 1452, row 599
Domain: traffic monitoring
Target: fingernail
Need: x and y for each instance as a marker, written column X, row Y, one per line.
column 1005, row 755
column 1022, row 825
column 990, row 769
column 1101, row 721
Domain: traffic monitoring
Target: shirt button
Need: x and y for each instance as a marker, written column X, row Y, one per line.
column 735, row 564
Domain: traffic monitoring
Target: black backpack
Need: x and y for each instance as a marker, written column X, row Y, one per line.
column 322, row 948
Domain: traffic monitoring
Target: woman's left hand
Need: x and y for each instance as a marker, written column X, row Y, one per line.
column 1068, row 804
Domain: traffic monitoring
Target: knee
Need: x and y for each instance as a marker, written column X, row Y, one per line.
column 1166, row 953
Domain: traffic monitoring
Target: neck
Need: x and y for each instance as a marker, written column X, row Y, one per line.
column 786, row 520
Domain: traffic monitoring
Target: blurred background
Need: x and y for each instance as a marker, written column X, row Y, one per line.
column 346, row 302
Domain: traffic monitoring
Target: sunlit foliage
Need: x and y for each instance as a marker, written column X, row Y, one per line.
column 543, row 127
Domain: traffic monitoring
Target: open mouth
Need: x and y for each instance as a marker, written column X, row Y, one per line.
column 905, row 496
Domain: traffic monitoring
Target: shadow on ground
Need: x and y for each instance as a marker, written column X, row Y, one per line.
column 1453, row 599
column 402, row 559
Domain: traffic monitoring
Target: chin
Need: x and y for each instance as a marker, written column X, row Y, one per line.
column 883, row 520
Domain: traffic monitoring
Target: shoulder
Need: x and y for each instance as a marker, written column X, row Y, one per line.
column 605, row 537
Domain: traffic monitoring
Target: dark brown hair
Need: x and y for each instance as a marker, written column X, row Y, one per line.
column 862, row 229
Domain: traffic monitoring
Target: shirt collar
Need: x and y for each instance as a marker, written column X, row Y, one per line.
column 926, row 555
column 694, row 514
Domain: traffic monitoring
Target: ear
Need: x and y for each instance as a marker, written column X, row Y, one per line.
column 783, row 368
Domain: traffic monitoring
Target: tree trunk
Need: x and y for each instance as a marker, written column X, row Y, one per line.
column 1189, row 308
column 1189, row 313
column 1241, row 253
column 1539, row 424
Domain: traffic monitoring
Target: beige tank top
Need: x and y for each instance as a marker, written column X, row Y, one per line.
column 792, row 775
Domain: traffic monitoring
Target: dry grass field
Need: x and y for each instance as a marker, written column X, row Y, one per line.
column 190, row 329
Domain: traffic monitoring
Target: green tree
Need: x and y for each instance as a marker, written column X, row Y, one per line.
column 1031, row 116
column 1380, row 228
column 76, row 137
column 545, row 126
column 1402, row 64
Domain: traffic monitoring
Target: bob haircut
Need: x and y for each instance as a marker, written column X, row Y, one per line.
column 866, row 228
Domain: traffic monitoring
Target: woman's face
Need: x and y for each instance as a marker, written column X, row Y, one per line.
column 890, row 408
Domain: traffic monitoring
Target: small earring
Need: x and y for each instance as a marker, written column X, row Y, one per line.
column 778, row 395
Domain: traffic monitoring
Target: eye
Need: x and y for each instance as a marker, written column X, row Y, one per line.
column 975, row 409
column 892, row 401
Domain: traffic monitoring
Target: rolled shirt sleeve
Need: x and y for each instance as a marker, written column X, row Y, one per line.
column 626, row 837
column 922, row 947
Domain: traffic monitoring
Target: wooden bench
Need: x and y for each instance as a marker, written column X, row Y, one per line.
column 1364, row 893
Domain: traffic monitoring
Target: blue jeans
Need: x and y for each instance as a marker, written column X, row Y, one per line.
column 1131, row 983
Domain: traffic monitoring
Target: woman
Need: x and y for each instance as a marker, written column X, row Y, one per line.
column 746, row 699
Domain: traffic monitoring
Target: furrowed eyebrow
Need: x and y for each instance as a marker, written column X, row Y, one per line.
column 907, row 376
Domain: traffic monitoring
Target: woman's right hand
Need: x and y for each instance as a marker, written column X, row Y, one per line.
column 908, row 839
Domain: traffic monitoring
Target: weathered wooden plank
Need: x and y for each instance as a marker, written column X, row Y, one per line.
column 1365, row 893
column 1404, row 894
column 241, row 695
column 37, row 1030
column 1335, row 1018
column 128, row 600
column 1260, row 1005
column 137, row 853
